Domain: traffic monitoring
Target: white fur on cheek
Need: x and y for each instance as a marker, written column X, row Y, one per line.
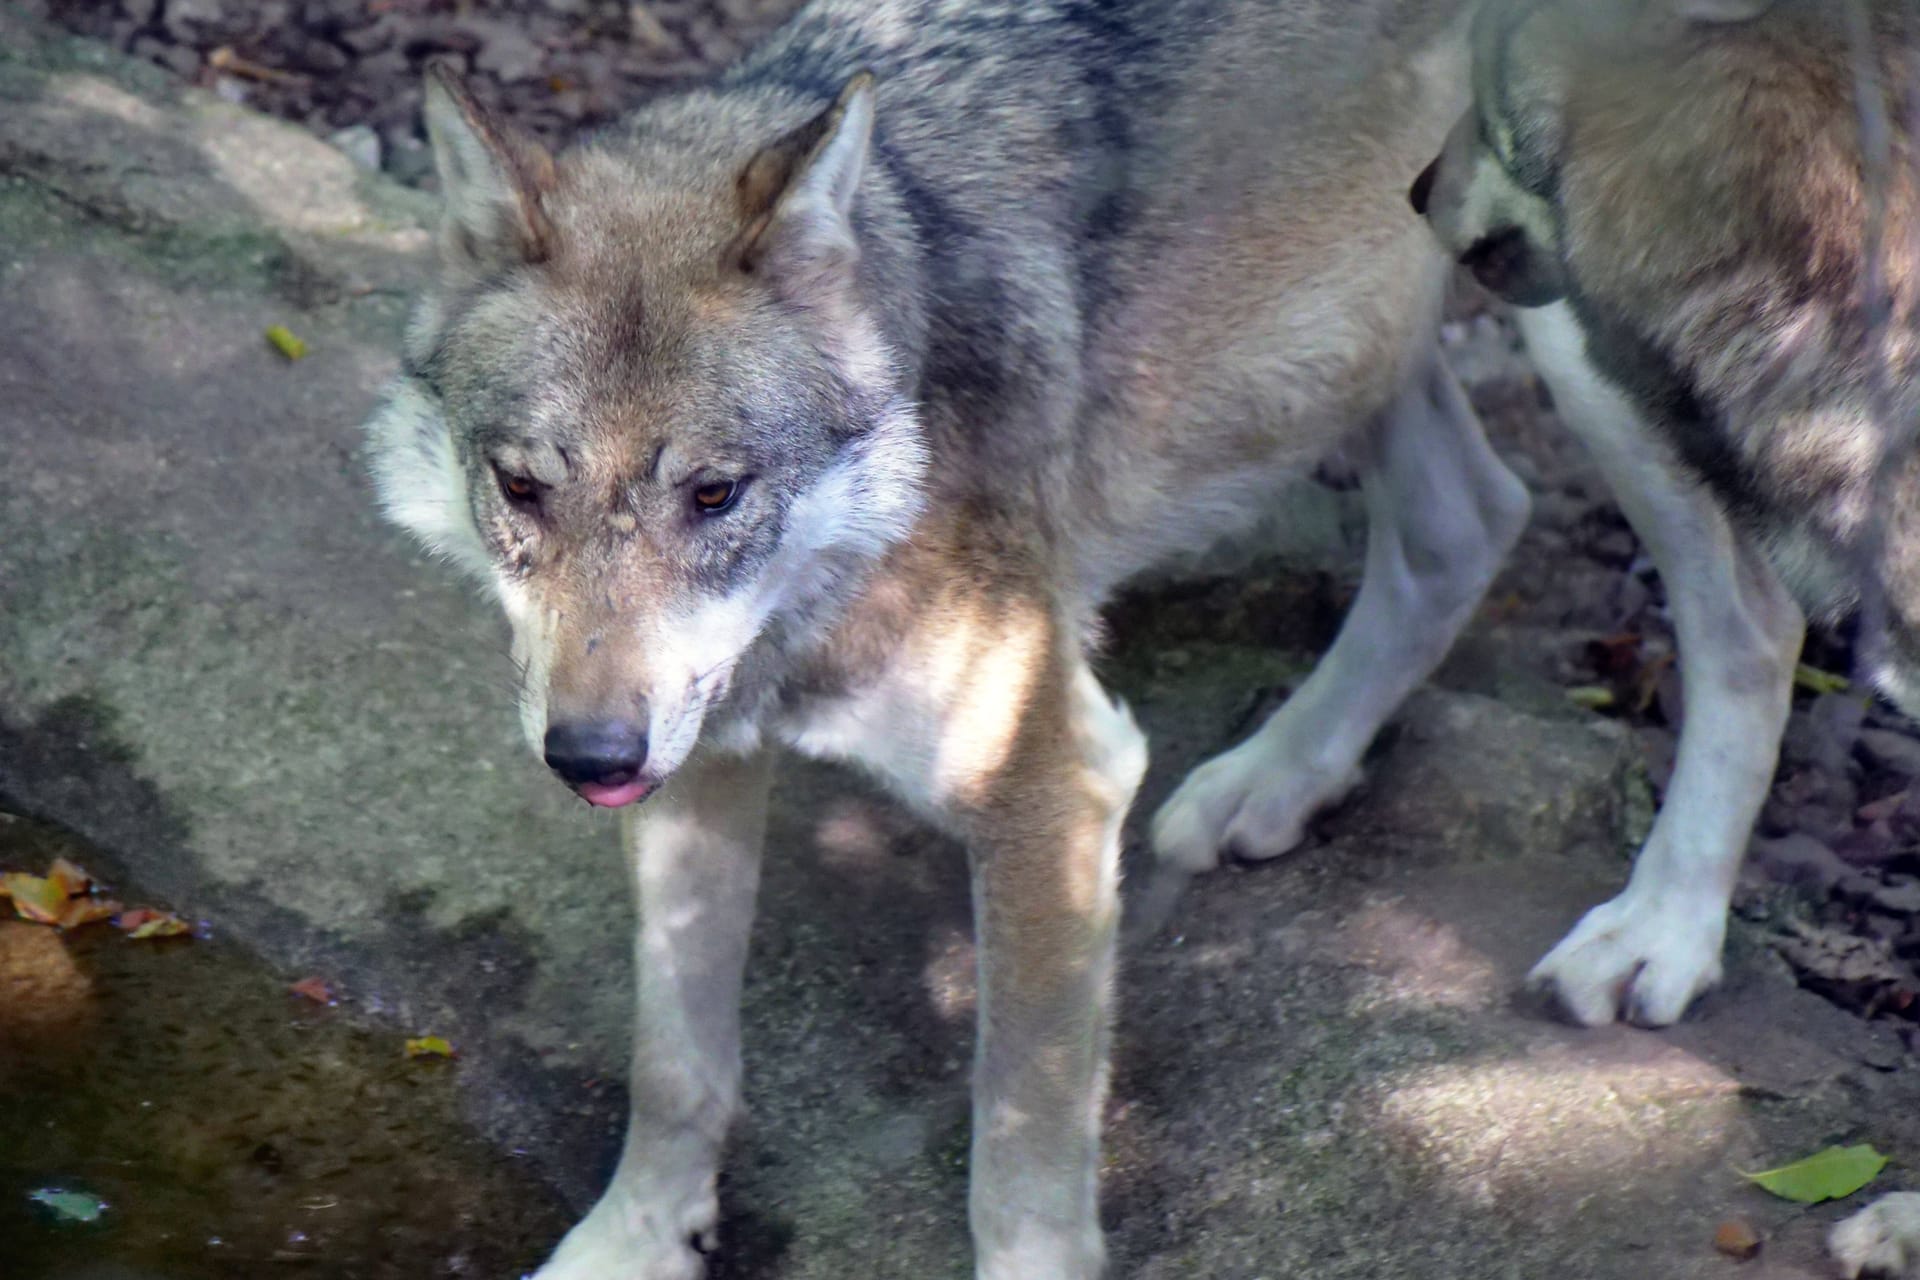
column 694, row 656
column 532, row 655
column 867, row 501
column 421, row 485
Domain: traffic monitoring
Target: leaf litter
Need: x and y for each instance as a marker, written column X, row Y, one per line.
column 69, row 897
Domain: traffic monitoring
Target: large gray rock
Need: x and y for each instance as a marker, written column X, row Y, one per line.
column 220, row 667
column 218, row 664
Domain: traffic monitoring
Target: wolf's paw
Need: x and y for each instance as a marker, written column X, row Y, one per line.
column 1641, row 959
column 1882, row 1241
column 1249, row 803
column 631, row 1236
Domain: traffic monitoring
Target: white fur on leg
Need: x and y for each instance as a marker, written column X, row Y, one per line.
column 1882, row 1241
column 1442, row 512
column 1650, row 951
column 1254, row 801
column 642, row 1229
column 1644, row 953
column 694, row 852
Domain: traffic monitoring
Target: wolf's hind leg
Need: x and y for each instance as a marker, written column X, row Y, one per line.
column 1442, row 512
column 1647, row 953
column 695, row 856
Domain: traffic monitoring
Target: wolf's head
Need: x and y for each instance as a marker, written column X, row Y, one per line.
column 1491, row 195
column 647, row 403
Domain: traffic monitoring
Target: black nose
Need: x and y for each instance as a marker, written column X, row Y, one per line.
column 1423, row 187
column 609, row 752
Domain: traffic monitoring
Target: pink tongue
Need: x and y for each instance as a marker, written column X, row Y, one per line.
column 613, row 797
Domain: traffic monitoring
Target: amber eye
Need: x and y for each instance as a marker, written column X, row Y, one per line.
column 712, row 499
column 522, row 491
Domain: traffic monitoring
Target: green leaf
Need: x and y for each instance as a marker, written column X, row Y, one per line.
column 1827, row 1175
column 69, row 1206
column 1814, row 680
column 430, row 1047
column 285, row 343
column 1594, row 697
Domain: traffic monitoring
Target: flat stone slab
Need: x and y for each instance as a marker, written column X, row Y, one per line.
column 221, row 668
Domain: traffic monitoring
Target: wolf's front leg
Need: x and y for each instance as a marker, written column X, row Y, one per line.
column 1647, row 953
column 695, row 855
column 1046, row 846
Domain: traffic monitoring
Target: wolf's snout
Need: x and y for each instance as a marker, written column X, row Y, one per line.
column 1422, row 189
column 600, row 759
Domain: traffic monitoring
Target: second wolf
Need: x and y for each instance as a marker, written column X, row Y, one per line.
column 819, row 409
column 1696, row 232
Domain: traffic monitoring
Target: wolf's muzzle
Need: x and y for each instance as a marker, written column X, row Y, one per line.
column 600, row 759
column 1422, row 190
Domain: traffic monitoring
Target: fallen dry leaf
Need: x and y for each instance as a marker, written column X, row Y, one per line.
column 430, row 1047
column 317, row 990
column 226, row 59
column 81, row 911
column 72, row 879
column 60, row 898
column 35, row 898
column 1737, row 1239
column 145, row 922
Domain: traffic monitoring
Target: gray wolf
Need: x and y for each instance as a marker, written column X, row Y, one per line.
column 818, row 409
column 1679, row 197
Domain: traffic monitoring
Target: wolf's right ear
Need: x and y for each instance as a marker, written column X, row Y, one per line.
column 798, row 196
column 492, row 180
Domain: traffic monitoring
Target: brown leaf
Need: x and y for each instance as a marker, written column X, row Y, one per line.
column 145, row 922
column 73, row 880
column 1737, row 1239
column 35, row 898
column 81, row 911
column 317, row 990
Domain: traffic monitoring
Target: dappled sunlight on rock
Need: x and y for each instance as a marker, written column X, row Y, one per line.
column 1565, row 1118
column 90, row 93
column 851, row 836
column 297, row 184
column 1421, row 961
column 949, row 975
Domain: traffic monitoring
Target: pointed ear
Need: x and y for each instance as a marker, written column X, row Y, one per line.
column 1718, row 10
column 798, row 195
column 492, row 181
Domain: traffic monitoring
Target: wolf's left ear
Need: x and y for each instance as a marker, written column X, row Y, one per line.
column 492, row 180
column 798, row 195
